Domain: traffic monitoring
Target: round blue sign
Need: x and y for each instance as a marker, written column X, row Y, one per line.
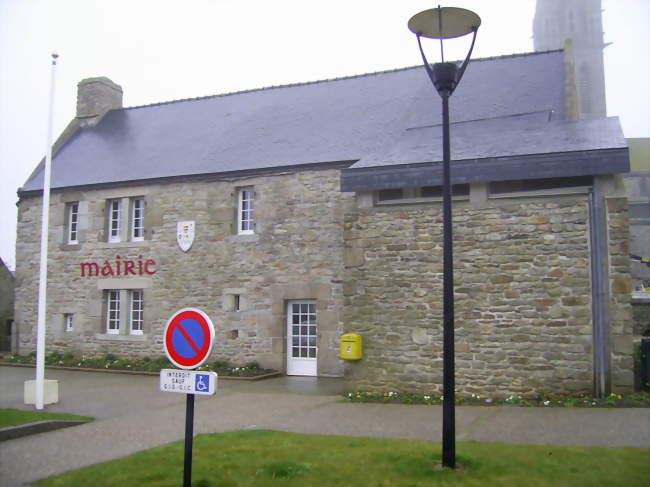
column 188, row 338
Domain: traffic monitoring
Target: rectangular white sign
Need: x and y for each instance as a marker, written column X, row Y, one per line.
column 188, row 381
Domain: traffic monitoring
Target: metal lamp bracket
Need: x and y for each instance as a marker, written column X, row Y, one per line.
column 446, row 76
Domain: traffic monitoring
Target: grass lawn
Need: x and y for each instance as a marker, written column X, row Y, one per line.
column 261, row 458
column 15, row 417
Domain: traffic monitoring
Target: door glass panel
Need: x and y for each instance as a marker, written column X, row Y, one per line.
column 303, row 332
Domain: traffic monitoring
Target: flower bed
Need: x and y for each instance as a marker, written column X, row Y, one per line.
column 633, row 400
column 146, row 364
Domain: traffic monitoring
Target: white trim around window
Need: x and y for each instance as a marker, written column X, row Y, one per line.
column 115, row 220
column 73, row 222
column 132, row 302
column 246, row 211
column 113, row 312
column 136, row 311
column 137, row 219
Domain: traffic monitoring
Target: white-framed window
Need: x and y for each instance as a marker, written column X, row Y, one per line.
column 132, row 301
column 67, row 322
column 113, row 311
column 137, row 219
column 136, row 312
column 115, row 220
column 245, row 211
column 125, row 219
column 73, row 222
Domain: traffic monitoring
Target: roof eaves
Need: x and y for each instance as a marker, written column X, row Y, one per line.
column 211, row 176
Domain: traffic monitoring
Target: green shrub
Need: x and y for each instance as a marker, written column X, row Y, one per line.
column 221, row 365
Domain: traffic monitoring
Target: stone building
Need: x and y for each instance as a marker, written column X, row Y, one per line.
column 7, row 341
column 315, row 211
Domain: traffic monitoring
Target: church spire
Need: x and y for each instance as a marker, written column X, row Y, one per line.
column 581, row 22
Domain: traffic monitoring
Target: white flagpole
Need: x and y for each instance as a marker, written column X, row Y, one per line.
column 45, row 229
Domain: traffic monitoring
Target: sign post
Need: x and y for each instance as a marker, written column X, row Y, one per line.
column 189, row 440
column 188, row 339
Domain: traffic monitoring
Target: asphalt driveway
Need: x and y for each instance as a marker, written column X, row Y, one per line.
column 132, row 415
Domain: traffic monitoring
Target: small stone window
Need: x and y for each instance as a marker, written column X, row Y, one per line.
column 540, row 186
column 68, row 322
column 421, row 194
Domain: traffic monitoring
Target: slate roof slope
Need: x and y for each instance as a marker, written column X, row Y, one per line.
column 517, row 135
column 346, row 120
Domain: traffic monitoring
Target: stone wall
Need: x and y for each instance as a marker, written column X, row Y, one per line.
column 621, row 324
column 522, row 296
column 6, row 308
column 295, row 253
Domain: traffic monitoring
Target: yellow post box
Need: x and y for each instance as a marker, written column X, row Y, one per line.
column 351, row 346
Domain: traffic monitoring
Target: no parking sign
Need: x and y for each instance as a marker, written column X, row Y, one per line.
column 188, row 338
column 188, row 341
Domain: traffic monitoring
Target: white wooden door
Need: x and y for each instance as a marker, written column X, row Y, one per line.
column 302, row 351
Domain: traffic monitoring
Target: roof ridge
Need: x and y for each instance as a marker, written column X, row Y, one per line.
column 325, row 80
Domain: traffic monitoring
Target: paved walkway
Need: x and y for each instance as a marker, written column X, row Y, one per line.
column 133, row 415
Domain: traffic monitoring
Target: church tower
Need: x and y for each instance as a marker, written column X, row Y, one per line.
column 581, row 22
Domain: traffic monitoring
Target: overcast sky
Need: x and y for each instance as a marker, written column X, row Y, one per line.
column 161, row 50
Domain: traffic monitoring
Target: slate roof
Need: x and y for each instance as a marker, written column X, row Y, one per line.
column 504, row 105
column 516, row 135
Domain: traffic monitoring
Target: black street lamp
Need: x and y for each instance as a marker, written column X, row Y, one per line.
column 445, row 23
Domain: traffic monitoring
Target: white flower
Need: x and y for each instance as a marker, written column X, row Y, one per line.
column 547, row 403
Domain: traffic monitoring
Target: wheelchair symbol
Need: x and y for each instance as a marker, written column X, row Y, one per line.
column 202, row 382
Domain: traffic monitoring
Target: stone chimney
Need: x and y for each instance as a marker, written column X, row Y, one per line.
column 95, row 97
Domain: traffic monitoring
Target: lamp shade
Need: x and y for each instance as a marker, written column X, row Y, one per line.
column 456, row 22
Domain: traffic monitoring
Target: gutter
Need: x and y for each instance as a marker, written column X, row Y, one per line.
column 599, row 289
